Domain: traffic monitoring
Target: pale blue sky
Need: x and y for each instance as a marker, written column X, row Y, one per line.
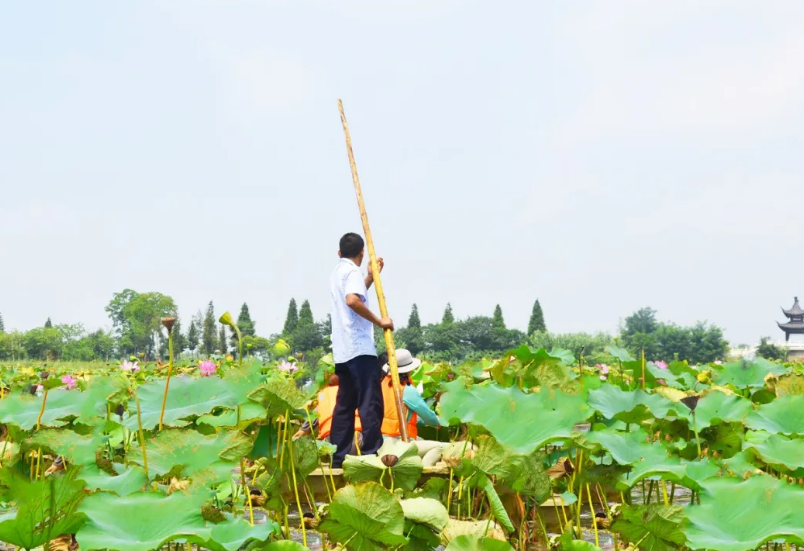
column 599, row 155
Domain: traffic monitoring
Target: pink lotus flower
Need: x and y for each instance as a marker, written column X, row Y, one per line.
column 131, row 367
column 70, row 381
column 604, row 371
column 287, row 367
column 660, row 365
column 40, row 388
column 207, row 368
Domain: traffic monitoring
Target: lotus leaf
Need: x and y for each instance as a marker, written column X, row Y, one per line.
column 305, row 456
column 541, row 417
column 44, row 510
column 738, row 515
column 22, row 410
column 718, row 407
column 249, row 413
column 365, row 517
column 784, row 415
column 634, row 449
column 775, row 449
column 193, row 452
column 747, row 374
column 428, row 512
column 131, row 480
column 480, row 528
column 404, row 474
column 234, row 533
column 141, row 521
column 497, row 508
column 278, row 395
column 630, row 407
column 187, row 398
column 568, row 543
column 620, row 353
column 654, row 527
column 76, row 448
column 281, row 545
column 477, row 543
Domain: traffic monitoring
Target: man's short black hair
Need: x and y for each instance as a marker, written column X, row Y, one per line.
column 351, row 245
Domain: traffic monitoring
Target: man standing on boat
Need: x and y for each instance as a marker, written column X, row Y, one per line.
column 354, row 352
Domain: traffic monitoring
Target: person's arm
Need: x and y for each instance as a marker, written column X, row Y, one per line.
column 355, row 291
column 370, row 277
column 415, row 402
column 305, row 429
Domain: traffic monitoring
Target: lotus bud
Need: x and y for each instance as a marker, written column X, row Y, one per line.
column 281, row 348
column 168, row 323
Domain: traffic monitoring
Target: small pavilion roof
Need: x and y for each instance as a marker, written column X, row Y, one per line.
column 794, row 310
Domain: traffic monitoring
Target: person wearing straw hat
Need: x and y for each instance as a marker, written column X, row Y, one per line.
column 417, row 408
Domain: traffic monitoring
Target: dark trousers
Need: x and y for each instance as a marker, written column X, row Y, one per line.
column 358, row 389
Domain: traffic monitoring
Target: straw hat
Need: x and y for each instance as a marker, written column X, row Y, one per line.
column 404, row 361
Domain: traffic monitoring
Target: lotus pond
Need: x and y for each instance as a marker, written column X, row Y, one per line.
column 539, row 453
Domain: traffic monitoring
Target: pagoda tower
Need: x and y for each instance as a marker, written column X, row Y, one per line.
column 795, row 323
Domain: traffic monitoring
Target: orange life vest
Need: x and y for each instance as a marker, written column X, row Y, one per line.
column 390, row 419
column 326, row 408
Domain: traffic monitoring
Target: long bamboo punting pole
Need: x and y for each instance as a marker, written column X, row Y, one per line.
column 375, row 269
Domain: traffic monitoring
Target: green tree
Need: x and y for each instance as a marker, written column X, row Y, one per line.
column 497, row 321
column 448, row 317
column 48, row 324
column 255, row 345
column 222, row 344
column 770, row 351
column 305, row 314
column 179, row 339
column 102, row 343
column 194, row 333
column 292, row 318
column 414, row 322
column 136, row 319
column 209, row 339
column 536, row 323
column 43, row 343
column 412, row 336
column 639, row 333
column 12, row 346
column 306, row 337
column 593, row 347
column 2, row 327
column 244, row 322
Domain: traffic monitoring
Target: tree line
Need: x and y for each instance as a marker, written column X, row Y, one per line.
column 137, row 331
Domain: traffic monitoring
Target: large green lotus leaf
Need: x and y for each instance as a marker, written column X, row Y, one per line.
column 193, row 451
column 305, row 456
column 22, row 410
column 494, row 459
column 457, row 528
column 241, row 381
column 645, row 458
column 790, row 384
column 747, row 374
column 718, row 407
column 404, row 474
column 477, row 543
column 187, row 397
column 524, row 474
column 233, row 533
column 678, row 375
column 249, row 413
column 131, row 480
column 278, row 395
column 620, row 353
column 630, row 407
column 30, row 525
column 784, row 415
column 365, row 517
column 738, row 515
column 568, row 543
column 142, row 521
column 775, row 449
column 655, row 527
column 429, row 512
column 77, row 449
column 495, row 503
column 540, row 417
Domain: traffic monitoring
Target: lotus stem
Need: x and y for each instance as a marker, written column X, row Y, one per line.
column 644, row 379
column 296, row 492
column 320, row 464
column 167, row 382
column 695, row 428
column 41, row 412
column 672, row 491
column 460, row 496
column 664, row 492
column 449, row 488
column 544, row 528
column 38, row 464
column 246, row 490
column 141, row 433
column 592, row 511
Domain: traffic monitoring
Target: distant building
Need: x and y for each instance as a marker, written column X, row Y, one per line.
column 793, row 326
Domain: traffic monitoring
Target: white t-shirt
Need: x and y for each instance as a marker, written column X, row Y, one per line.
column 352, row 335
